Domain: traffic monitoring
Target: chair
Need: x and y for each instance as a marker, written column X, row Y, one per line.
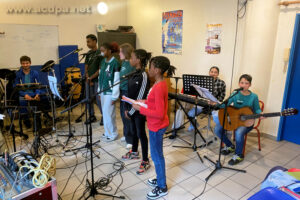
column 262, row 106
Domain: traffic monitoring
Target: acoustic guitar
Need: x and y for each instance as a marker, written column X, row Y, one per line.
column 236, row 117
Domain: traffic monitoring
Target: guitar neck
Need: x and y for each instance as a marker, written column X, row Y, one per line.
column 254, row 116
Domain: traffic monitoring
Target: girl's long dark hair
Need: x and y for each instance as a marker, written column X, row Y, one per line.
column 163, row 63
column 143, row 56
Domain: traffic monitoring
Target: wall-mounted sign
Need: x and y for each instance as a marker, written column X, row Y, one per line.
column 50, row 10
column 213, row 40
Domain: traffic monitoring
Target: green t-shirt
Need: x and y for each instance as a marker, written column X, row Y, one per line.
column 107, row 74
column 27, row 80
column 125, row 69
column 240, row 101
column 93, row 60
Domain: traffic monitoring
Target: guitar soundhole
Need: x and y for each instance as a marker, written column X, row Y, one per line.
column 242, row 117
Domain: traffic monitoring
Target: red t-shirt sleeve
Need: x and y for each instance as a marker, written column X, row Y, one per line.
column 158, row 112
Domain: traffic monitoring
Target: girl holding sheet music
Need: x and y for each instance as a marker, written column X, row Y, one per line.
column 138, row 87
column 157, row 121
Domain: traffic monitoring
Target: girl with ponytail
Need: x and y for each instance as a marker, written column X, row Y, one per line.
column 138, row 88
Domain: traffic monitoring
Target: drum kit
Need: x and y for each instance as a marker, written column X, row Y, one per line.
column 72, row 81
column 9, row 94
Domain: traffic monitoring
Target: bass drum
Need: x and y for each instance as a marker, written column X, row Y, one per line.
column 72, row 81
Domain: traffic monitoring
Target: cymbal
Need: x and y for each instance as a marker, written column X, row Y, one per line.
column 47, row 66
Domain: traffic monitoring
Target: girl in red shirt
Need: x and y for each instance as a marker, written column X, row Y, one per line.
column 157, row 121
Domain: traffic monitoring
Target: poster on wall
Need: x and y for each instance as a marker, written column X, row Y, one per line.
column 213, row 41
column 172, row 32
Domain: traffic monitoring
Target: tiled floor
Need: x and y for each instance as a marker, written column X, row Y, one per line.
column 185, row 173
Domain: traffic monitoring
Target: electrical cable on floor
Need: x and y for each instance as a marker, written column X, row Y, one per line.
column 103, row 182
column 69, row 176
column 202, row 191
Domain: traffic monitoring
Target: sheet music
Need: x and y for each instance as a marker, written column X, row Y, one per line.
column 205, row 93
column 132, row 101
column 53, row 86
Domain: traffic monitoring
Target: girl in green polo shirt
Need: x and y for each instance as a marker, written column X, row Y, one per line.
column 109, row 75
column 125, row 54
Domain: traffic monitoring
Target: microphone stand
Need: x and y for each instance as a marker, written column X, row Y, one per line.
column 175, row 129
column 93, row 189
column 71, row 133
column 218, row 165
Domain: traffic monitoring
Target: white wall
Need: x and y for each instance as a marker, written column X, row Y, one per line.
column 146, row 17
column 263, row 34
column 72, row 27
column 257, row 47
column 278, row 75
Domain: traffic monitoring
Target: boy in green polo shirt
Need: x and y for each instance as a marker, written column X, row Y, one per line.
column 92, row 63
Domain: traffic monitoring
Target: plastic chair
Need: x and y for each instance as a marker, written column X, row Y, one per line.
column 262, row 106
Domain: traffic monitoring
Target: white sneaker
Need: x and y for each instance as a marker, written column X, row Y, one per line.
column 122, row 139
column 152, row 182
column 128, row 146
column 157, row 192
column 110, row 139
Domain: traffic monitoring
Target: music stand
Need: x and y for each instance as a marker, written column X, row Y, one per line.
column 203, row 81
column 54, row 89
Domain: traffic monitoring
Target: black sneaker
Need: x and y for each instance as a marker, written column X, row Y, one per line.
column 79, row 119
column 157, row 192
column 152, row 182
column 236, row 159
column 91, row 120
column 101, row 121
column 172, row 137
column 27, row 123
column 227, row 150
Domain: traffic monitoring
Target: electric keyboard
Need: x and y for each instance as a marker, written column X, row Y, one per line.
column 190, row 99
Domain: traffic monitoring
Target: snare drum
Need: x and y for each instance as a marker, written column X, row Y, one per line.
column 73, row 77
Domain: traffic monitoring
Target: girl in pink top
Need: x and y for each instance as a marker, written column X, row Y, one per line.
column 157, row 121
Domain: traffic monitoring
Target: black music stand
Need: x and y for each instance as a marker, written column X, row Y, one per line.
column 203, row 81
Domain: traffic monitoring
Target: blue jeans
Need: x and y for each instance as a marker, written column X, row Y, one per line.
column 192, row 114
column 156, row 149
column 240, row 133
column 126, row 122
